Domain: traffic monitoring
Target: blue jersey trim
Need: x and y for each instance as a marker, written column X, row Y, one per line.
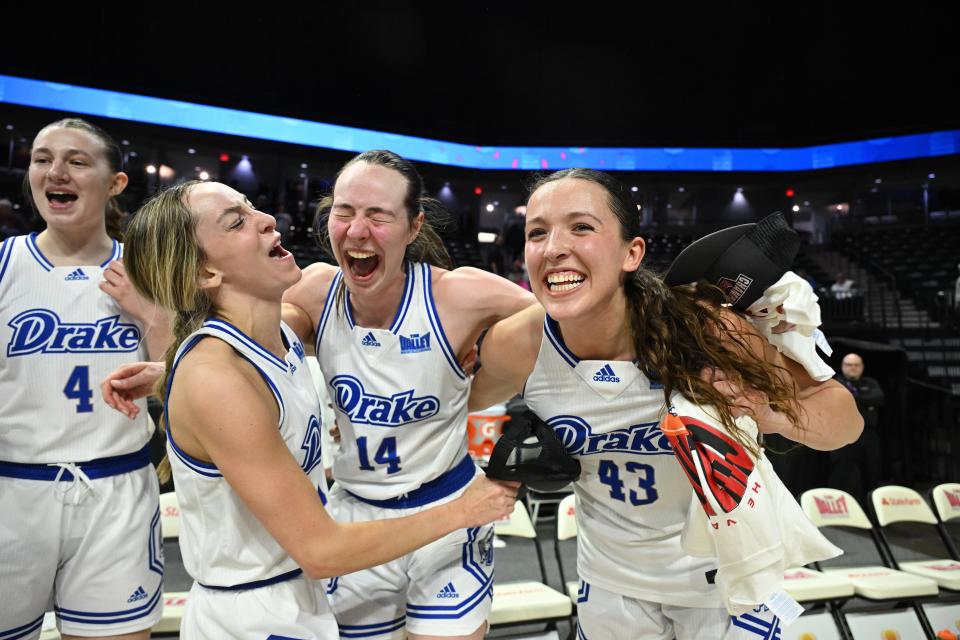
column 6, row 250
column 36, row 253
column 553, row 334
column 199, row 466
column 226, row 327
column 580, row 634
column 110, row 617
column 470, row 602
column 99, row 468
column 766, row 629
column 114, row 254
column 408, row 287
column 435, row 323
column 583, row 593
column 370, row 630
column 154, row 555
column 327, row 308
column 256, row 584
column 23, row 630
column 438, row 488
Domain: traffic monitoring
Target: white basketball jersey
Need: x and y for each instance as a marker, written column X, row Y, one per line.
column 399, row 393
column 60, row 338
column 632, row 495
column 223, row 544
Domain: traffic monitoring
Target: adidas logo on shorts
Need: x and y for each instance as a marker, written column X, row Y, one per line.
column 77, row 274
column 448, row 592
column 139, row 594
column 369, row 340
column 606, row 374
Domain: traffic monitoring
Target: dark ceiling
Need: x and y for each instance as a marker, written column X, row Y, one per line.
column 592, row 74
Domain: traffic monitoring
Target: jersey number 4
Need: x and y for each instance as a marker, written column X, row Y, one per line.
column 386, row 454
column 645, row 493
column 78, row 388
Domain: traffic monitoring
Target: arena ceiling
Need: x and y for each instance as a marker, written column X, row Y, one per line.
column 594, row 74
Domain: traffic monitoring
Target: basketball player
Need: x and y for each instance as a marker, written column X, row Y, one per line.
column 598, row 366
column 390, row 326
column 245, row 452
column 80, row 525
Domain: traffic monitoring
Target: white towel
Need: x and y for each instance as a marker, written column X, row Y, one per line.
column 798, row 302
column 743, row 515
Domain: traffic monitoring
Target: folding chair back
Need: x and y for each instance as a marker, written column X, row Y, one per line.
column 519, row 524
column 894, row 503
column 946, row 500
column 567, row 518
column 833, row 508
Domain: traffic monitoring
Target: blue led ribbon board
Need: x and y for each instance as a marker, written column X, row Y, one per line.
column 185, row 115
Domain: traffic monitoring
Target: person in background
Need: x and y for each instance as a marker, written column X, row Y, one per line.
column 855, row 468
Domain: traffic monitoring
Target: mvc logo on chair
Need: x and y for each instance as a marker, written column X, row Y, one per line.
column 416, row 343
column 953, row 498
column 828, row 506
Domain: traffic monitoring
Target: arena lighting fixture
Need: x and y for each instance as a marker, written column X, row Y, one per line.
column 191, row 151
column 796, row 208
column 199, row 117
column 204, row 175
column 490, row 208
column 151, row 169
column 486, row 237
column 303, row 165
column 634, row 189
column 877, row 181
column 932, row 176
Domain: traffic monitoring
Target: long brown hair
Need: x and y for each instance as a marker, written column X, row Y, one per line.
column 113, row 215
column 677, row 331
column 163, row 261
column 427, row 246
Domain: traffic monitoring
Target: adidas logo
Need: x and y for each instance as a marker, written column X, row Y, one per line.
column 139, row 594
column 369, row 340
column 77, row 274
column 606, row 374
column 448, row 592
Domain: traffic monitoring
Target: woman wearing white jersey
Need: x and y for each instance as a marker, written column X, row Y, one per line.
column 80, row 525
column 390, row 326
column 245, row 450
column 598, row 366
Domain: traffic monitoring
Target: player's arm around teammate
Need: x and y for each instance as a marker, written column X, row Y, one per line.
column 240, row 437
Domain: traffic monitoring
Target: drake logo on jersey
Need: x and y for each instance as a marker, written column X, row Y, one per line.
column 381, row 411
column 311, row 446
column 415, row 343
column 578, row 438
column 41, row 331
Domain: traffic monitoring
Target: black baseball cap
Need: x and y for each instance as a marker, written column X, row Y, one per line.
column 743, row 260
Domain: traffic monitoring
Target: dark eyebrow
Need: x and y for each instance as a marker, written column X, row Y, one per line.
column 69, row 151
column 567, row 216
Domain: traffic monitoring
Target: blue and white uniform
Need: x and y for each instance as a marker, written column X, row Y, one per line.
column 632, row 499
column 246, row 584
column 79, row 496
column 400, row 398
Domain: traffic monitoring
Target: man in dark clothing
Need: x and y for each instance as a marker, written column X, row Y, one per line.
column 856, row 467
